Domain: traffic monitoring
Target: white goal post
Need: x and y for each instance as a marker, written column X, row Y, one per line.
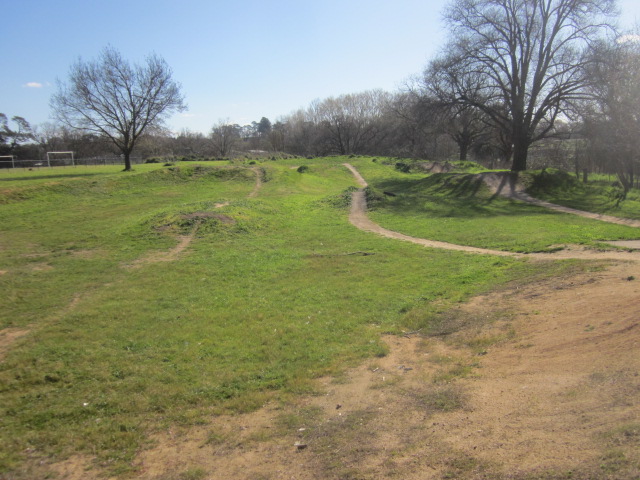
column 11, row 158
column 60, row 153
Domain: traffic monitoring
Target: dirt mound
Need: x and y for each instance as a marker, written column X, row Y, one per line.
column 434, row 167
column 209, row 215
column 502, row 183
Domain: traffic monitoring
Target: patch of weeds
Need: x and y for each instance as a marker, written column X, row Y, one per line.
column 625, row 435
column 453, row 373
column 385, row 380
column 193, row 474
column 341, row 200
column 613, row 461
column 302, row 418
column 441, row 359
column 459, row 465
column 302, row 169
column 446, row 398
column 375, row 198
column 479, row 344
column 216, row 438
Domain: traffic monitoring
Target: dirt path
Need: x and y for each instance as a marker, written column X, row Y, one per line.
column 506, row 185
column 358, row 217
column 256, row 189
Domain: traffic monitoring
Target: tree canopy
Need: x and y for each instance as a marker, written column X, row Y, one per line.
column 520, row 61
column 115, row 99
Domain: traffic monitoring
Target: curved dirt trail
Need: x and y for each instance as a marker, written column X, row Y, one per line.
column 506, row 185
column 358, row 218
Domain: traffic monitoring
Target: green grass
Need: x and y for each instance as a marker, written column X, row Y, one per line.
column 459, row 209
column 600, row 194
column 254, row 310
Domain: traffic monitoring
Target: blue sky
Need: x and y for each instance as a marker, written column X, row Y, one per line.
column 236, row 59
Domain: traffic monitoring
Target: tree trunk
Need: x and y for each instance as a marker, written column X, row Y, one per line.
column 520, row 152
column 127, row 161
column 464, row 148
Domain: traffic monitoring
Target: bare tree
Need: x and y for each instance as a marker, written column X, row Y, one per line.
column 224, row 136
column 612, row 118
column 526, row 59
column 351, row 123
column 114, row 99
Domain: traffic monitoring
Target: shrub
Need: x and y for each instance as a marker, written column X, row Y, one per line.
column 403, row 167
column 152, row 160
column 302, row 169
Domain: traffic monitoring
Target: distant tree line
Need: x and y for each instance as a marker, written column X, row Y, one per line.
column 519, row 84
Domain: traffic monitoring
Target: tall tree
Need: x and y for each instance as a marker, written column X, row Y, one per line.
column 526, row 58
column 117, row 100
column 612, row 116
column 351, row 123
column 13, row 136
column 264, row 127
column 224, row 136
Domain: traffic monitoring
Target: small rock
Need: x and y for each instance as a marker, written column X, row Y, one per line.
column 300, row 445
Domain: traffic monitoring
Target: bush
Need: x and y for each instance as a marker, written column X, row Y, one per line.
column 302, row 169
column 549, row 180
column 152, row 160
column 403, row 167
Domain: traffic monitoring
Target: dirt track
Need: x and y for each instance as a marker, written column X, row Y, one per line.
column 358, row 217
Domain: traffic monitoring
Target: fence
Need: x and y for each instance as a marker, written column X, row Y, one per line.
column 66, row 162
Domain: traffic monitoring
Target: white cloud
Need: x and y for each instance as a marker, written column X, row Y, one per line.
column 628, row 39
column 33, row 85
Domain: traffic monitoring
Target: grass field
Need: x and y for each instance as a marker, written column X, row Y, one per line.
column 266, row 298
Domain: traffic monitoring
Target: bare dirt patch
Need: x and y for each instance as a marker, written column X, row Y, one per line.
column 258, row 186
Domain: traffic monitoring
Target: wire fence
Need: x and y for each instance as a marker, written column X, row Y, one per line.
column 67, row 162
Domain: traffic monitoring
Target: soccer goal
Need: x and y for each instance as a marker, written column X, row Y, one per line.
column 61, row 157
column 8, row 159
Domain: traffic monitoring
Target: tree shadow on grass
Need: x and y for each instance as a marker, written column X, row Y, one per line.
column 451, row 195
